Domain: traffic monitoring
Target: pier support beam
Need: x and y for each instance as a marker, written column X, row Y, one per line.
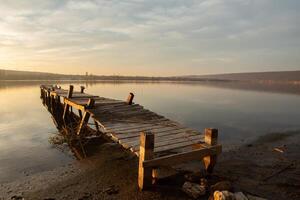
column 211, row 138
column 146, row 153
column 66, row 106
column 85, row 117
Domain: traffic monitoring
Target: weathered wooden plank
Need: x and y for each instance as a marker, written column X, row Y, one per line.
column 73, row 104
column 165, row 135
column 137, row 127
column 172, row 143
column 157, row 134
column 159, row 131
column 183, row 157
column 169, row 139
column 122, row 108
column 154, row 129
column 132, row 123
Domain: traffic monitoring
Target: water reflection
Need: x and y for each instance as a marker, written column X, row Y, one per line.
column 241, row 112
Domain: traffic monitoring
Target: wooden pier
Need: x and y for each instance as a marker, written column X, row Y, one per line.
column 156, row 140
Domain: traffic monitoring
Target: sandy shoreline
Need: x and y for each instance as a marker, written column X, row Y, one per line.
column 111, row 173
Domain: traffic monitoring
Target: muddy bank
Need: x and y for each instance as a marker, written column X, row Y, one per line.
column 111, row 173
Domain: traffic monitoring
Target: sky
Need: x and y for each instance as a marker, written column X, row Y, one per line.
column 150, row 37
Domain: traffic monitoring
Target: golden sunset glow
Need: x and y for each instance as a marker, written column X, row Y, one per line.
column 149, row 38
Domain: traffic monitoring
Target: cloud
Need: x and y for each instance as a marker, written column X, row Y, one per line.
column 202, row 36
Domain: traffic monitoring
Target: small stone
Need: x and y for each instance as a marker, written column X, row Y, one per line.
column 193, row 190
column 240, row 196
column 223, row 195
column 221, row 186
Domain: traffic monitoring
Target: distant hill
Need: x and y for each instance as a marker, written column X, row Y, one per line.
column 283, row 76
column 280, row 76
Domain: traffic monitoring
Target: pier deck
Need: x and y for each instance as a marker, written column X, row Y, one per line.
column 156, row 140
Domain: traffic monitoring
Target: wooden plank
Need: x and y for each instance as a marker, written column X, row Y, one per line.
column 137, row 127
column 116, row 107
column 135, row 132
column 171, row 139
column 197, row 154
column 166, row 131
column 174, row 143
column 120, row 111
column 163, row 136
column 131, row 123
column 75, row 105
column 171, row 146
column 157, row 134
column 134, row 144
column 122, row 108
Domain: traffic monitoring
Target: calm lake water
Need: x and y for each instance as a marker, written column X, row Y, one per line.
column 240, row 115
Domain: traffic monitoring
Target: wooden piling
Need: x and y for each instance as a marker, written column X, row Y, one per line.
column 146, row 153
column 82, row 88
column 70, row 92
column 130, row 98
column 211, row 138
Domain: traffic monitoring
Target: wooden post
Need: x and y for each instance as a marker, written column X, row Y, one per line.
column 53, row 106
column 80, row 114
column 82, row 89
column 70, row 93
column 97, row 127
column 211, row 138
column 146, row 153
column 58, row 111
column 85, row 117
column 130, row 98
column 66, row 111
column 48, row 100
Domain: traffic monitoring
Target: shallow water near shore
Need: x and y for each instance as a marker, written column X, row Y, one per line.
column 240, row 114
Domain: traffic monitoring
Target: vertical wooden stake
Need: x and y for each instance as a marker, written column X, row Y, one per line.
column 211, row 138
column 80, row 114
column 70, row 93
column 97, row 127
column 82, row 89
column 146, row 153
column 65, row 113
column 48, row 100
column 85, row 117
column 130, row 98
